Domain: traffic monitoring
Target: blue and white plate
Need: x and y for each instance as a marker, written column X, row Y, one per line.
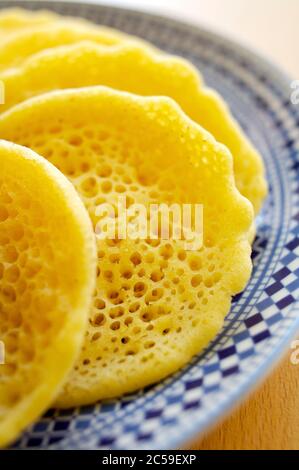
column 264, row 319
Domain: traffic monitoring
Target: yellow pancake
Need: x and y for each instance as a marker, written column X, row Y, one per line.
column 142, row 71
column 16, row 19
column 157, row 303
column 47, row 277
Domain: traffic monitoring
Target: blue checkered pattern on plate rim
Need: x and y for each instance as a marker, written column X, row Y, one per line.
column 264, row 318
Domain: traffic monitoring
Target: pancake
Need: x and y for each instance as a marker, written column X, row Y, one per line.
column 47, row 273
column 157, row 302
column 142, row 71
column 17, row 47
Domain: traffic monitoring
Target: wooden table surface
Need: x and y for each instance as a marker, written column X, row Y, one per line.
column 267, row 420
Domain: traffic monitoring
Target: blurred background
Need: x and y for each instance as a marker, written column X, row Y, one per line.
column 269, row 26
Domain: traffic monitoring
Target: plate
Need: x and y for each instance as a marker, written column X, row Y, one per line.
column 264, row 318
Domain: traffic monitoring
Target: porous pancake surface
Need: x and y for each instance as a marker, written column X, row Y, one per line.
column 157, row 303
column 47, row 278
column 15, row 48
column 139, row 70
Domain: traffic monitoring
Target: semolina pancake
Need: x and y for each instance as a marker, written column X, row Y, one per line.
column 156, row 303
column 47, row 275
column 17, row 47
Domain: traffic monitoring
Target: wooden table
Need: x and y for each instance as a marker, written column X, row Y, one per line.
column 269, row 419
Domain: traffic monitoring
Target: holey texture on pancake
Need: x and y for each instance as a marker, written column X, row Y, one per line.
column 47, row 275
column 156, row 304
column 146, row 72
